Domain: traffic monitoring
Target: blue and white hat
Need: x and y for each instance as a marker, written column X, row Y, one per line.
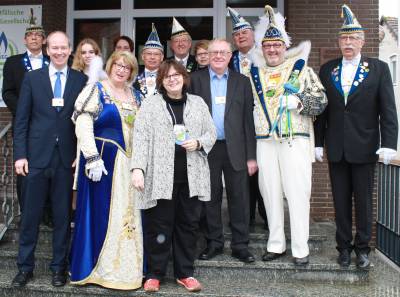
column 276, row 27
column 153, row 41
column 350, row 24
column 238, row 22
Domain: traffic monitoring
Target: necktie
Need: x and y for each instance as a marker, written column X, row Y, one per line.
column 57, row 88
column 181, row 62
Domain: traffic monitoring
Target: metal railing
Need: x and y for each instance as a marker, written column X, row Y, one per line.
column 388, row 212
column 7, row 180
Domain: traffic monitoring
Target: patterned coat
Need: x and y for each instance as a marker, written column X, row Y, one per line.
column 154, row 149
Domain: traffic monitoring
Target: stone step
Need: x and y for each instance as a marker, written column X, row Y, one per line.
column 322, row 266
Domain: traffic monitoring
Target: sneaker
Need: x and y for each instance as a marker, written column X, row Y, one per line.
column 190, row 283
column 151, row 285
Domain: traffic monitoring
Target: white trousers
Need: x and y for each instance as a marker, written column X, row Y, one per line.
column 286, row 167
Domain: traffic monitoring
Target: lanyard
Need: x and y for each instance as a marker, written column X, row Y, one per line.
column 173, row 114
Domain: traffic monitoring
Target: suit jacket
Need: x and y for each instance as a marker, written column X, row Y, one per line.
column 39, row 127
column 368, row 120
column 191, row 64
column 238, row 120
column 13, row 74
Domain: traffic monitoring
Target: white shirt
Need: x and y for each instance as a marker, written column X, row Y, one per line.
column 36, row 60
column 53, row 76
column 245, row 61
column 349, row 69
column 150, row 80
column 184, row 60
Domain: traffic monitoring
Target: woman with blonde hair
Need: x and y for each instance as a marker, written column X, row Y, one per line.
column 107, row 246
column 88, row 60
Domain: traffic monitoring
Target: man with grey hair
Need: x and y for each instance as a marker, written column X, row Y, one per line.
column 230, row 100
column 359, row 123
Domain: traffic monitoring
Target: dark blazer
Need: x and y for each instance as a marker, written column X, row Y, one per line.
column 368, row 120
column 38, row 125
column 238, row 121
column 13, row 74
column 191, row 64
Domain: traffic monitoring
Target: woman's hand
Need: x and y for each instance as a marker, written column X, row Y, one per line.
column 138, row 179
column 190, row 145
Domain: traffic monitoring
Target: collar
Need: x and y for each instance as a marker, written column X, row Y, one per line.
column 53, row 70
column 246, row 55
column 213, row 74
column 355, row 61
column 184, row 59
column 148, row 72
column 32, row 56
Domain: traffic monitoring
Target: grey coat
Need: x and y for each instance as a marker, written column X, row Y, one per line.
column 154, row 149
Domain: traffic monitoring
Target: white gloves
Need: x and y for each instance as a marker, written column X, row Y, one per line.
column 387, row 154
column 290, row 101
column 319, row 154
column 95, row 173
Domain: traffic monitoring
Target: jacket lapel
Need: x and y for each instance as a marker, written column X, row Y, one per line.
column 230, row 90
column 336, row 75
column 68, row 86
column 361, row 74
column 47, row 84
column 205, row 83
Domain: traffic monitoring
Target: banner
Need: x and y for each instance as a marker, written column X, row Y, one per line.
column 13, row 22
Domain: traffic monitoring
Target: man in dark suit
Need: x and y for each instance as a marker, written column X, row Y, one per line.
column 44, row 150
column 360, row 118
column 229, row 97
column 14, row 70
column 181, row 43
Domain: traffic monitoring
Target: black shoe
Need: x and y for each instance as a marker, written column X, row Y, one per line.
column 22, row 278
column 301, row 261
column 59, row 278
column 210, row 252
column 269, row 256
column 243, row 255
column 344, row 258
column 363, row 261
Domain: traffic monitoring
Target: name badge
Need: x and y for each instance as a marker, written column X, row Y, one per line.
column 180, row 134
column 220, row 99
column 127, row 106
column 57, row 102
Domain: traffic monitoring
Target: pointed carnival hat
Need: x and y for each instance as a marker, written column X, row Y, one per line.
column 33, row 27
column 350, row 24
column 177, row 29
column 238, row 22
column 153, row 41
column 276, row 27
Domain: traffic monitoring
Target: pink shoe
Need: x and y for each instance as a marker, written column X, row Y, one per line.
column 151, row 285
column 190, row 283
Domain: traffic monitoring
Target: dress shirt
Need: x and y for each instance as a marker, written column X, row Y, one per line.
column 245, row 61
column 218, row 84
column 184, row 60
column 349, row 69
column 53, row 76
column 35, row 60
column 151, row 77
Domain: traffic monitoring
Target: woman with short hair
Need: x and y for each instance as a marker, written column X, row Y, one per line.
column 173, row 134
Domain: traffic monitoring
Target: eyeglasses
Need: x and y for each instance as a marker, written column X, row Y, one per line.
column 180, row 40
column 221, row 53
column 272, row 45
column 121, row 67
column 152, row 54
column 202, row 54
column 173, row 76
column 34, row 34
column 349, row 37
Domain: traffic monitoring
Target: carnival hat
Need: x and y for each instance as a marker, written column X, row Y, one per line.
column 177, row 29
column 350, row 24
column 275, row 27
column 153, row 41
column 238, row 22
column 33, row 27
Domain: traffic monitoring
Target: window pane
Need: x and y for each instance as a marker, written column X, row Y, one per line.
column 198, row 28
column 98, row 4
column 172, row 4
column 251, row 3
column 102, row 31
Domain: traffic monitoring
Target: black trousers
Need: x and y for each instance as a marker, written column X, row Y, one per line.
column 237, row 190
column 256, row 200
column 55, row 182
column 173, row 221
column 348, row 179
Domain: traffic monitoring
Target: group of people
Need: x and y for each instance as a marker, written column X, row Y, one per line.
column 151, row 148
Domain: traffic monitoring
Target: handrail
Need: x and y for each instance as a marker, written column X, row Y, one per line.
column 5, row 130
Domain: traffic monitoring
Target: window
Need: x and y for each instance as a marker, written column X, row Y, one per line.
column 98, row 4
column 146, row 4
column 393, row 68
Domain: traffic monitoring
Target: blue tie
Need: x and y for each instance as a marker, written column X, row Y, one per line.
column 57, row 88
